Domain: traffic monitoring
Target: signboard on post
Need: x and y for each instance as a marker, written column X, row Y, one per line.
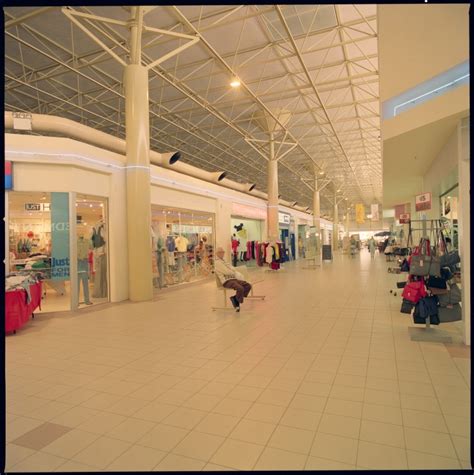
column 360, row 213
column 60, row 236
column 284, row 218
column 423, row 202
column 404, row 218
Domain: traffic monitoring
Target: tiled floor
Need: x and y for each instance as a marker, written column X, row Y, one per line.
column 322, row 375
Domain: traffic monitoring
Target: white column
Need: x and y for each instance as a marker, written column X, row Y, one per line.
column 272, row 206
column 347, row 221
column 73, row 277
column 138, row 167
column 317, row 213
column 464, row 229
column 335, row 226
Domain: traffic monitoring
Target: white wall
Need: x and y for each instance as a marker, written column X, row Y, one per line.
column 436, row 179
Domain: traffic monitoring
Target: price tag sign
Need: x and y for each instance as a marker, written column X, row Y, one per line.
column 423, row 202
column 404, row 218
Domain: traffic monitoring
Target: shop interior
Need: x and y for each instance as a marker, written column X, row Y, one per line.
column 182, row 247
column 244, row 234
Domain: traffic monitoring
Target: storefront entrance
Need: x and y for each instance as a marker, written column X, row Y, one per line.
column 182, row 246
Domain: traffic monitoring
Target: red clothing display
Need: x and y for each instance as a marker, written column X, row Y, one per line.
column 17, row 311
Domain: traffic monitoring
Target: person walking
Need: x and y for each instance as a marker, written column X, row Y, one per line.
column 372, row 247
column 231, row 278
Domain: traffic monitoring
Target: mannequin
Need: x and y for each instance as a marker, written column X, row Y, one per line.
column 83, row 247
column 100, row 258
column 181, row 244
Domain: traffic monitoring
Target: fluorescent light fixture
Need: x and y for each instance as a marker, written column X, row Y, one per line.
column 235, row 82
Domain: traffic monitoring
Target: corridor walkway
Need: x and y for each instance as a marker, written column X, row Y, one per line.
column 321, row 375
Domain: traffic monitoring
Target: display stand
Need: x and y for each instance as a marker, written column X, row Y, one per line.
column 427, row 333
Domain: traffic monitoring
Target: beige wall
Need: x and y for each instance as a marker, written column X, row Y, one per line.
column 417, row 42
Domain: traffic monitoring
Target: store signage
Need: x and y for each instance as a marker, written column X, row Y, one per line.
column 8, row 176
column 374, row 211
column 404, row 218
column 33, row 207
column 284, row 218
column 423, row 202
column 244, row 211
column 37, row 206
column 191, row 229
column 60, row 236
column 360, row 213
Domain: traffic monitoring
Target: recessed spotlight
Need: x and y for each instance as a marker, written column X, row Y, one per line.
column 235, row 82
column 90, row 206
column 321, row 172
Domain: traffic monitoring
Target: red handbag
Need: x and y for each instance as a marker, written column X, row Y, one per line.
column 414, row 291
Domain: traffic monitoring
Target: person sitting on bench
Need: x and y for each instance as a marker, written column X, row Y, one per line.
column 231, row 278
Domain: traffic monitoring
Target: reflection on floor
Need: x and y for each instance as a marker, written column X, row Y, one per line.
column 57, row 298
column 321, row 375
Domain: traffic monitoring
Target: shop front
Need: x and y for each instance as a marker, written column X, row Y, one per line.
column 287, row 235
column 60, row 239
column 247, row 229
column 182, row 245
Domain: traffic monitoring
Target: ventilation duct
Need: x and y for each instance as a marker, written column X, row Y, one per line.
column 74, row 130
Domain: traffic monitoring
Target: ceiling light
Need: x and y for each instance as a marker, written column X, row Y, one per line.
column 321, row 172
column 235, row 82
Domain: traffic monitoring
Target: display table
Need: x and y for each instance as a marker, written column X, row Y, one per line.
column 17, row 311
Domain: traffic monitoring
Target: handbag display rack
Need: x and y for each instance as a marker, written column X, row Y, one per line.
column 425, row 267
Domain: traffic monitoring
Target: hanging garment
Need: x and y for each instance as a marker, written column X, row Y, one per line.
column 100, row 281
column 235, row 245
column 269, row 254
column 83, row 276
column 181, row 244
column 170, row 245
column 275, row 265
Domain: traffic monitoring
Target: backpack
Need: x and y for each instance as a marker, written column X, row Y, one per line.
column 97, row 239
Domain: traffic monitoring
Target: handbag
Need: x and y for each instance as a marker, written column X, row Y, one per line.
column 414, row 291
column 420, row 259
column 450, row 314
column 388, row 250
column 407, row 306
column 450, row 259
column 401, row 251
column 452, row 297
column 405, row 266
column 436, row 282
column 446, row 273
column 401, row 285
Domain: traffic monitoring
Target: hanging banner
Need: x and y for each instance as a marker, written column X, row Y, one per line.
column 360, row 213
column 374, row 210
column 423, row 202
column 60, row 236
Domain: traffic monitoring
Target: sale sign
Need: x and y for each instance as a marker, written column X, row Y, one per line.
column 423, row 202
column 404, row 218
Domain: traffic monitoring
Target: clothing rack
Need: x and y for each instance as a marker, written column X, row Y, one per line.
column 427, row 333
